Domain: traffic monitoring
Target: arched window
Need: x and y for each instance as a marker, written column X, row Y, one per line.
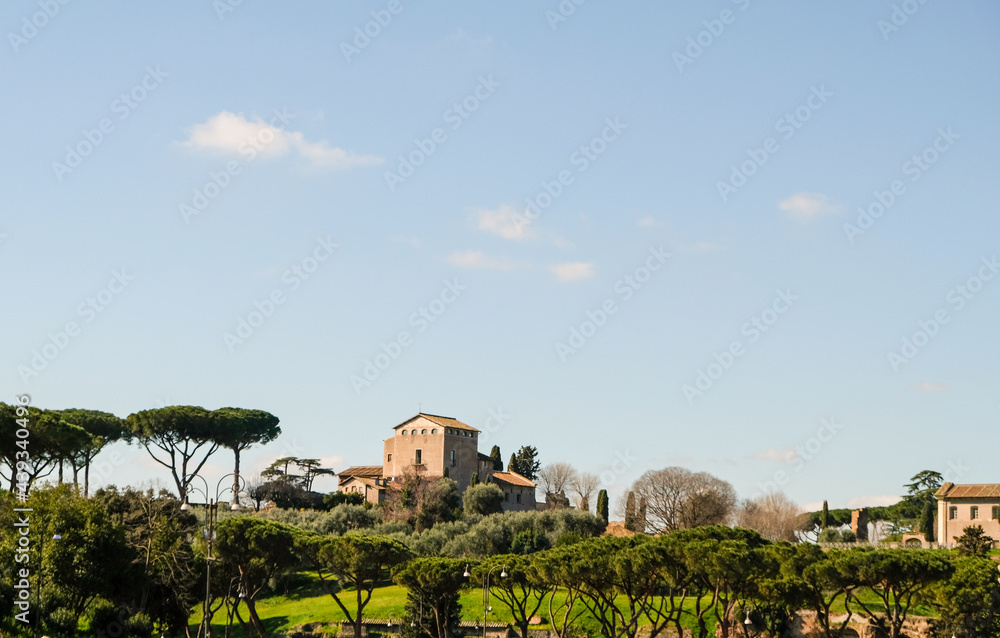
column 413, row 431
column 424, row 431
column 403, row 433
column 434, row 431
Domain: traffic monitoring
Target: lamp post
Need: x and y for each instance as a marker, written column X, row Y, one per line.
column 486, row 590
column 38, row 595
column 212, row 515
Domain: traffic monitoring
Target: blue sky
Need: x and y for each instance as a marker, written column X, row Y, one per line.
column 265, row 155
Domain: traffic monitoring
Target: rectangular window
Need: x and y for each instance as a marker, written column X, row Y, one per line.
column 419, row 458
column 518, row 498
column 390, row 458
column 973, row 512
column 996, row 512
column 952, row 513
column 506, row 496
column 453, row 458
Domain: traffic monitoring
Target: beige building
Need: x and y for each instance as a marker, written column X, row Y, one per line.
column 960, row 506
column 434, row 446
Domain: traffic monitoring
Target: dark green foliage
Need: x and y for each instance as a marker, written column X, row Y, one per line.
column 525, row 462
column 483, row 499
column 602, row 505
column 974, row 542
column 497, row 459
column 969, row 601
column 631, row 513
column 176, row 437
column 474, row 480
column 435, row 584
column 530, row 541
column 824, row 517
column 927, row 522
column 333, row 499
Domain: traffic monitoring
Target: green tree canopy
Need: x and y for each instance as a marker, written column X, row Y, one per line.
column 435, row 584
column 484, row 499
column 175, row 437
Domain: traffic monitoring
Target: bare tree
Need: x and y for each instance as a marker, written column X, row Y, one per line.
column 677, row 498
column 583, row 487
column 556, row 477
column 774, row 515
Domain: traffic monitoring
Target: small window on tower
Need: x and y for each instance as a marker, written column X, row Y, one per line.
column 952, row 513
column 973, row 512
column 389, row 458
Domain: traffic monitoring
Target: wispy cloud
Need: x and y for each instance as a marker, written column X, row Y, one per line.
column 648, row 222
column 572, row 271
column 927, row 386
column 502, row 221
column 805, row 206
column 873, row 501
column 476, row 260
column 232, row 133
column 774, row 454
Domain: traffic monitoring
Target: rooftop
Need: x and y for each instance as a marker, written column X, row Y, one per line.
column 443, row 421
column 512, row 478
column 981, row 490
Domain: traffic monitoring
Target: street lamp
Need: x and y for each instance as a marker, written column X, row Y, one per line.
column 38, row 595
column 486, row 590
column 212, row 511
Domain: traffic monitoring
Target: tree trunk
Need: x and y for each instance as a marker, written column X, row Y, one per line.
column 254, row 618
column 86, row 479
column 236, row 476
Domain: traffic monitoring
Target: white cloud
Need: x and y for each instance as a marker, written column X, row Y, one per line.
column 648, row 222
column 572, row 271
column 775, row 454
column 808, row 206
column 476, row 260
column 873, row 501
column 927, row 386
column 231, row 133
column 503, row 221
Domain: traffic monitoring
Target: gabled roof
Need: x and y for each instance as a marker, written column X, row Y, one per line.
column 363, row 471
column 981, row 490
column 512, row 478
column 443, row 421
column 485, row 457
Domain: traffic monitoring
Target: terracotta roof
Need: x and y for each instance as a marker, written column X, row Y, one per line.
column 368, row 471
column 443, row 421
column 485, row 457
column 512, row 478
column 982, row 490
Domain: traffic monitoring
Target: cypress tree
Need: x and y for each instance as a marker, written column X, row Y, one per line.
column 630, row 513
column 602, row 505
column 497, row 459
column 512, row 464
column 824, row 517
column 474, row 480
column 927, row 522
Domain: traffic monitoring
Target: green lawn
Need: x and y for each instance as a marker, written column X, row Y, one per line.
column 309, row 603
